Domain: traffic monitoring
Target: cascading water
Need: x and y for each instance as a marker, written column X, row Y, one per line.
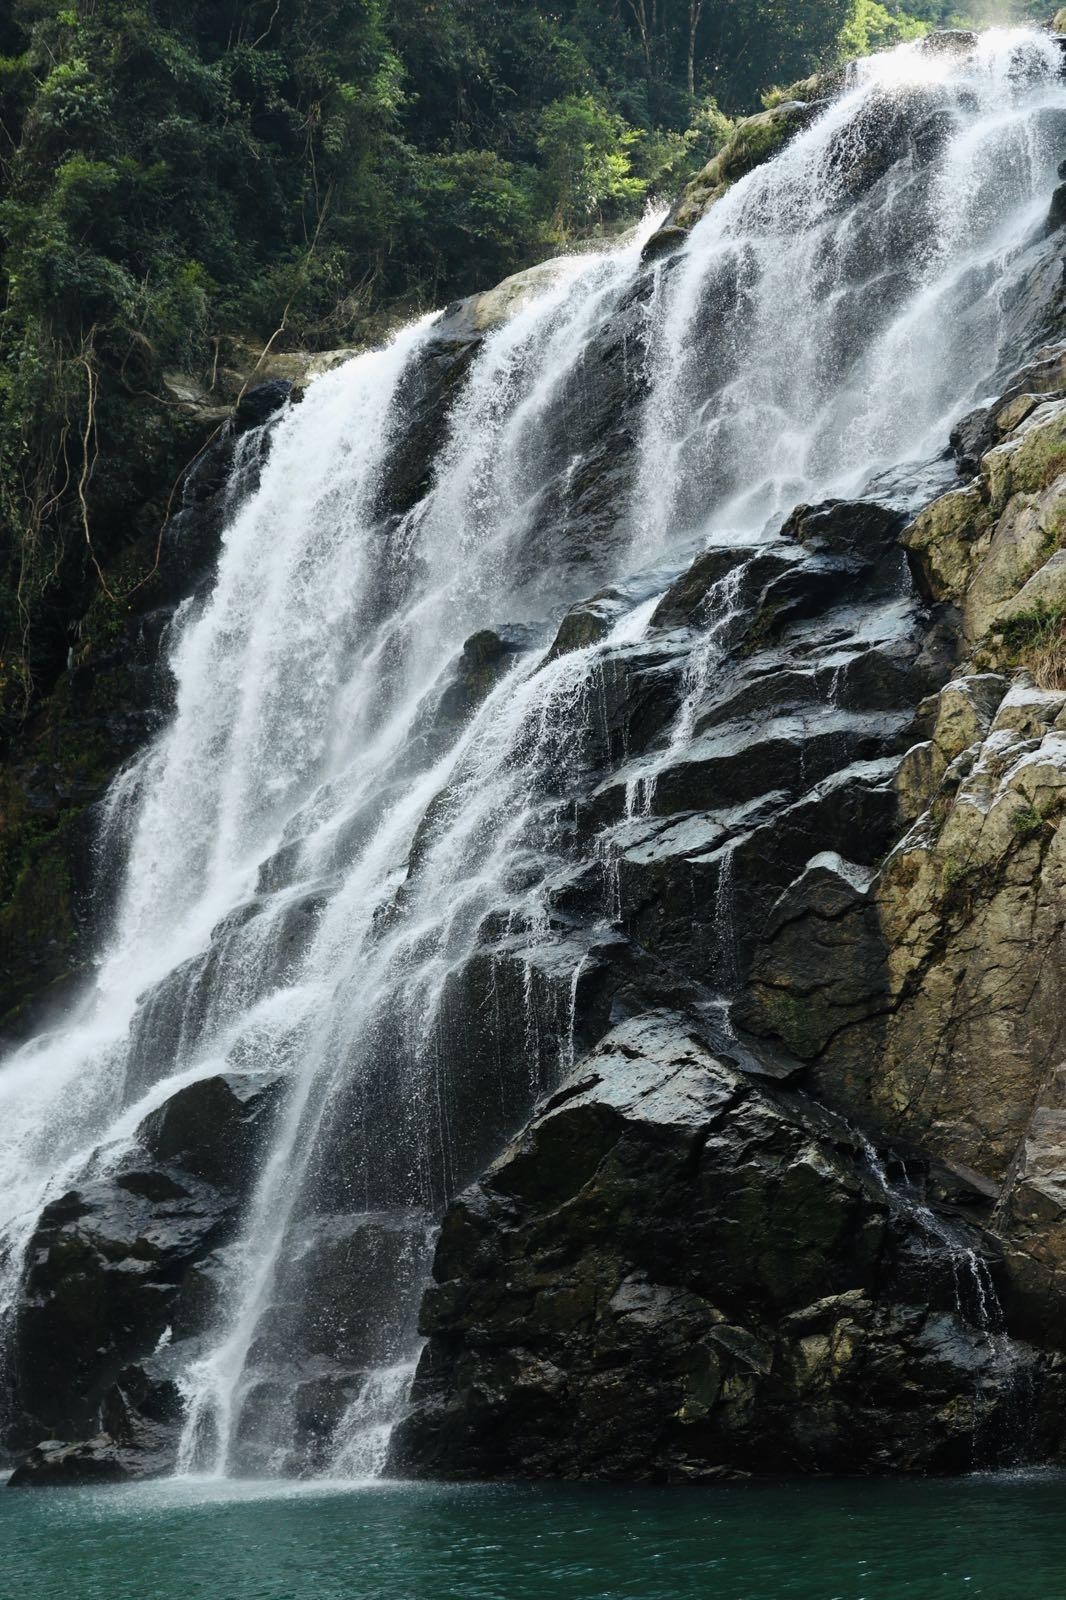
column 833, row 307
column 338, row 871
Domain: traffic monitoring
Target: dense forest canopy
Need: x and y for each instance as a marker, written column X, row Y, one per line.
column 172, row 170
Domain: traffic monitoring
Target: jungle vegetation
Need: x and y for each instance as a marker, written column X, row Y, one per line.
column 175, row 171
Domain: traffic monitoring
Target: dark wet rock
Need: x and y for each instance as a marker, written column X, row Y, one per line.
column 685, row 602
column 114, row 1263
column 259, row 403
column 318, row 1404
column 214, row 1128
column 822, row 961
column 54, row 1465
column 345, row 1303
column 680, row 1274
column 485, row 658
column 857, row 532
column 140, row 1418
column 340, row 1288
column 972, row 437
column 105, row 1265
column 664, row 241
column 502, row 1016
column 424, row 400
column 739, row 763
column 1056, row 216
column 588, row 624
column 1044, row 375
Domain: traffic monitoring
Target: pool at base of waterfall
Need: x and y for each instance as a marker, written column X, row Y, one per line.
column 997, row 1537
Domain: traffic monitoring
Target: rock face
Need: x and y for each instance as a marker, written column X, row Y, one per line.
column 682, row 1270
column 122, row 1264
column 753, row 141
column 682, row 1273
column 926, row 998
column 111, row 699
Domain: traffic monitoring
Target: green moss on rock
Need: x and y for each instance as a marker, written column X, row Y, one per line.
column 754, row 140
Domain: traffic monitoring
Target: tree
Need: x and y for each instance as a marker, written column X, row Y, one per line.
column 870, row 26
column 695, row 9
column 585, row 149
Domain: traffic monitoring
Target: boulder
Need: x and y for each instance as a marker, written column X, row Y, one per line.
column 588, row 624
column 214, row 1128
column 55, row 1465
column 1044, row 592
column 857, row 532
column 481, row 313
column 260, row 402
column 105, row 1265
column 112, row 1263
column 684, row 603
column 679, row 1273
column 140, row 1427
column 485, row 657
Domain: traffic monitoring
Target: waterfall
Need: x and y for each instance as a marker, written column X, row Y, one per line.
column 834, row 306
column 824, row 324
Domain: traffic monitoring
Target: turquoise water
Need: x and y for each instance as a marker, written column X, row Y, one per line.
column 997, row 1538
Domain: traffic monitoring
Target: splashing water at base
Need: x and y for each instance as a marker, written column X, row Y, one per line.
column 362, row 1437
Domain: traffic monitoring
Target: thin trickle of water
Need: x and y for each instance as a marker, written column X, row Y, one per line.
column 717, row 613
column 815, row 330
column 976, row 1300
column 976, row 1305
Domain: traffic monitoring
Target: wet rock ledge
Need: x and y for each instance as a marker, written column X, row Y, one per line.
column 682, row 1273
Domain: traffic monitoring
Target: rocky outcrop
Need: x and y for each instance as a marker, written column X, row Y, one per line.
column 609, row 1207
column 753, row 141
column 681, row 1273
column 859, row 839
column 118, row 1267
column 926, row 997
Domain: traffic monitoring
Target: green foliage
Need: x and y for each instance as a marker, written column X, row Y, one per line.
column 871, row 26
column 586, row 166
column 1034, row 629
column 172, row 171
column 1026, row 821
column 1036, row 640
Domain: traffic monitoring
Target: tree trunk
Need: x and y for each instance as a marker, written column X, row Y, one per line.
column 694, row 9
column 639, row 9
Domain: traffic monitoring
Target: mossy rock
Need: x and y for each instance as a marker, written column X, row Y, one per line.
column 1031, row 460
column 754, row 140
column 942, row 539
